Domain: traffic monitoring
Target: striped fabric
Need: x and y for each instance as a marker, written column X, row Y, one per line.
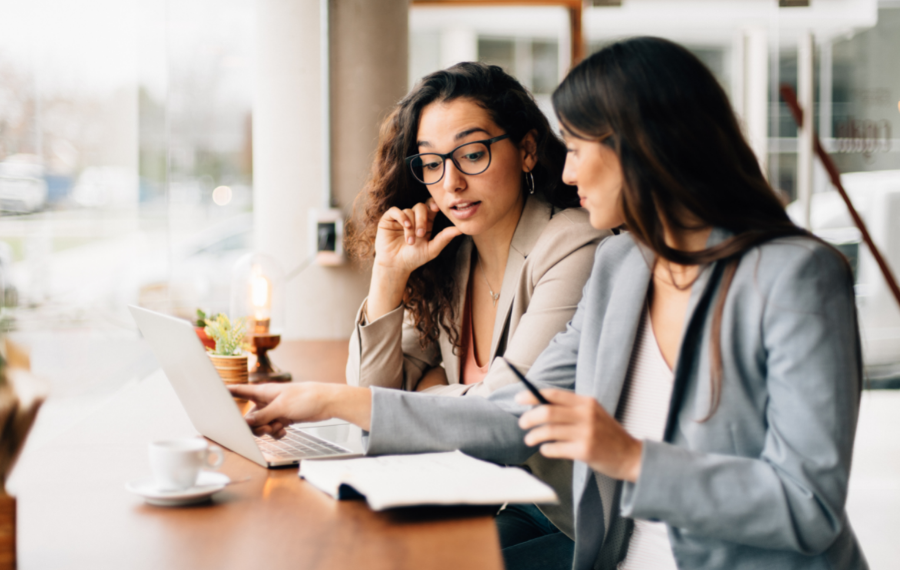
column 643, row 411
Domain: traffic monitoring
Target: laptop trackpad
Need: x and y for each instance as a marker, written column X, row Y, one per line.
column 339, row 432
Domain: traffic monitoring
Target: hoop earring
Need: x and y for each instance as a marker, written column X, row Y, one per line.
column 529, row 182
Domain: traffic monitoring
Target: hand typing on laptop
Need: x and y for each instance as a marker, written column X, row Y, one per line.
column 277, row 406
column 211, row 408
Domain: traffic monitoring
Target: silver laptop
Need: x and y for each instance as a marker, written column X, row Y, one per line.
column 213, row 411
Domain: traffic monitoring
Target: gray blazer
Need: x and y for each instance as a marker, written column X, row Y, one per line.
column 763, row 482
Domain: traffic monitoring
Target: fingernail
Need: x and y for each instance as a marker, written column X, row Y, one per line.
column 406, row 223
column 420, row 232
column 410, row 240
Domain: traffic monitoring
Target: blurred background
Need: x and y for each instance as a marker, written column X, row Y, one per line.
column 145, row 145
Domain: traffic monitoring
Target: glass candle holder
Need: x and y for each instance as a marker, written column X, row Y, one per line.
column 257, row 295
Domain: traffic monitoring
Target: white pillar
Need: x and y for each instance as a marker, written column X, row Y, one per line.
column 756, row 93
column 287, row 135
column 825, row 88
column 325, row 87
column 289, row 139
column 805, row 131
column 524, row 62
column 458, row 44
column 821, row 181
column 738, row 75
column 564, row 48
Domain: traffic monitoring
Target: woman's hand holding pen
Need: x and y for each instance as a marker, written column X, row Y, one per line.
column 403, row 243
column 577, row 427
column 277, row 406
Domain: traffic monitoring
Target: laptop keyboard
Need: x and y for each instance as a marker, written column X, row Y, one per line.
column 298, row 444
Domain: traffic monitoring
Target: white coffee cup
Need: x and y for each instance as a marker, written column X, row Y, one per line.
column 177, row 462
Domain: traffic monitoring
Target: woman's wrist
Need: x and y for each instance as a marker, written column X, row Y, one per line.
column 330, row 399
column 633, row 465
column 389, row 278
column 385, row 291
column 349, row 403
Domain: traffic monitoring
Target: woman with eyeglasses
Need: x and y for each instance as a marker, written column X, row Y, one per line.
column 707, row 387
column 480, row 250
column 467, row 153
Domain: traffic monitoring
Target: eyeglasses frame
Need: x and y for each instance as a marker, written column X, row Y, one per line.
column 444, row 157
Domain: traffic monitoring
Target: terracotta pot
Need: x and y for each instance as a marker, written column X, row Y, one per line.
column 204, row 338
column 232, row 369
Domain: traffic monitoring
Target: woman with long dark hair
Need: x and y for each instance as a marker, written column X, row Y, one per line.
column 478, row 250
column 723, row 433
column 436, row 314
column 707, row 387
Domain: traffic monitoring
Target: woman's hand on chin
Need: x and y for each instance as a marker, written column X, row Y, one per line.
column 404, row 242
column 577, row 427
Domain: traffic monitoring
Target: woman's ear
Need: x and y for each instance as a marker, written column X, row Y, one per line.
column 528, row 150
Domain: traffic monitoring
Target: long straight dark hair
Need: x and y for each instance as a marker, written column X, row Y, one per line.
column 682, row 152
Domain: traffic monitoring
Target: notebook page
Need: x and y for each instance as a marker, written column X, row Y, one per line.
column 449, row 478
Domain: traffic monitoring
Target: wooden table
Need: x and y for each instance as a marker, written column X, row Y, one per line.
column 74, row 511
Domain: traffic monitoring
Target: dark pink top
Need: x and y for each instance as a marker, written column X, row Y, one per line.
column 471, row 372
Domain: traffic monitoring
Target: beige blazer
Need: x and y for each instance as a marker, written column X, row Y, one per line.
column 550, row 259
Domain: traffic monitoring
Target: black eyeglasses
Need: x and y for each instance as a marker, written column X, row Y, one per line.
column 470, row 158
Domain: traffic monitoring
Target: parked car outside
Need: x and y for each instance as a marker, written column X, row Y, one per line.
column 22, row 185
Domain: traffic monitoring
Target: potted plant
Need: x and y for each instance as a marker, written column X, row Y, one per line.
column 228, row 355
column 200, row 328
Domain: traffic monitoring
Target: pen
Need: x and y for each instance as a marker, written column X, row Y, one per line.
column 528, row 384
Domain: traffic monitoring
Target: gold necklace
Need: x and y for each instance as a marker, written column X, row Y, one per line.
column 494, row 296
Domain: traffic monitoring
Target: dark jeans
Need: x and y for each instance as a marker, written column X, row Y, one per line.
column 530, row 541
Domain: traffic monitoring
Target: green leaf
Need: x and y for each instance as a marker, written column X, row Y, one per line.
column 229, row 336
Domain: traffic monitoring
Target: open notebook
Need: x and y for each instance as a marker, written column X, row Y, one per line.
column 449, row 478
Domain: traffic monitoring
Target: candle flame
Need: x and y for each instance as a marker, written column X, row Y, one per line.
column 260, row 295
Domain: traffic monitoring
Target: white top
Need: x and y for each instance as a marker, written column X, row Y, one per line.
column 643, row 412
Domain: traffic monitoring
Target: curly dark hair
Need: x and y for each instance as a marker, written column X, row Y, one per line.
column 431, row 292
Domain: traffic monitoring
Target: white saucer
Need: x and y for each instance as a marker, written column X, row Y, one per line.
column 208, row 483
